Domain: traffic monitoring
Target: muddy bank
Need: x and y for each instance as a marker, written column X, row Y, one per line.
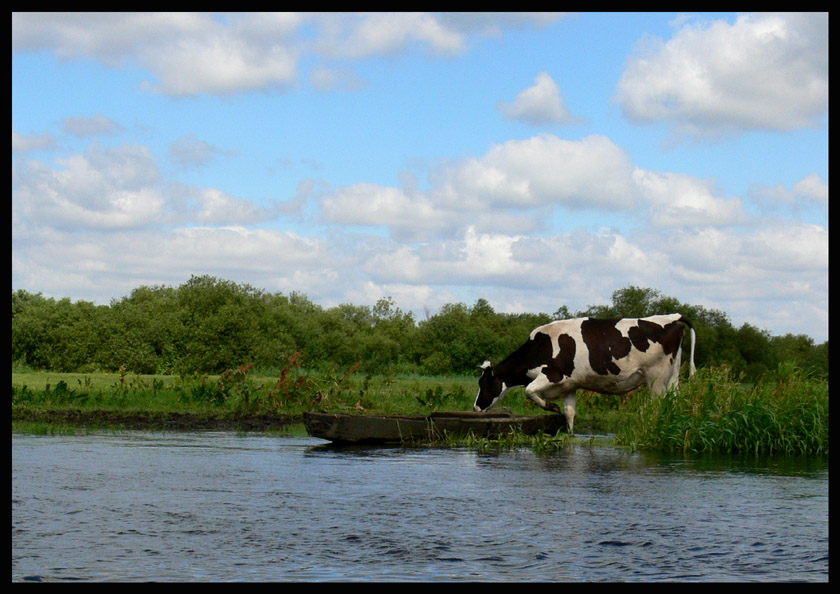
column 157, row 420
column 178, row 421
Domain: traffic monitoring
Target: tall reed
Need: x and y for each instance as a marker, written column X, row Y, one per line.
column 784, row 412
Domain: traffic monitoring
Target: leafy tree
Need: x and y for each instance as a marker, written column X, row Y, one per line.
column 441, row 340
column 208, row 325
column 756, row 356
column 216, row 324
column 562, row 313
column 141, row 332
column 31, row 315
column 801, row 350
column 74, row 333
column 278, row 332
column 634, row 302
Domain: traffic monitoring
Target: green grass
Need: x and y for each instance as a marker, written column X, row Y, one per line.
column 290, row 391
column 786, row 412
column 541, row 443
column 41, row 428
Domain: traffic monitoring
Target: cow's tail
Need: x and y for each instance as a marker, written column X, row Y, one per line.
column 691, row 369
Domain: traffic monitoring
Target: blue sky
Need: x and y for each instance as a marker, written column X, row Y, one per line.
column 534, row 160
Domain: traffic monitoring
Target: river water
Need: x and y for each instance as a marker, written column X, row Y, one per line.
column 140, row 506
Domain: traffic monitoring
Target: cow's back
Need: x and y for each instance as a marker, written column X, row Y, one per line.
column 616, row 346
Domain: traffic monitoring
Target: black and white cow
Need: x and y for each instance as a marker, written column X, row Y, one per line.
column 608, row 356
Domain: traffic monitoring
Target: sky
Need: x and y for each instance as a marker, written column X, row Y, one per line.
column 534, row 160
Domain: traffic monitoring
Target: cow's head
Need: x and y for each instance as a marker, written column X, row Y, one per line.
column 490, row 389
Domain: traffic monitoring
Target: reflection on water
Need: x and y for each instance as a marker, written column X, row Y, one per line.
column 216, row 506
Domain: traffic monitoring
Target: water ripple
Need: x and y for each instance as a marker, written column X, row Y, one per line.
column 188, row 507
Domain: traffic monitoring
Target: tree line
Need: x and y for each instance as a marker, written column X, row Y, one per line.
column 208, row 325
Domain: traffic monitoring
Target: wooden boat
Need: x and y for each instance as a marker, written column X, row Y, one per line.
column 359, row 428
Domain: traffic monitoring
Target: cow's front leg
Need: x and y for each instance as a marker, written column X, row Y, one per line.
column 547, row 405
column 569, row 401
column 541, row 385
column 568, row 409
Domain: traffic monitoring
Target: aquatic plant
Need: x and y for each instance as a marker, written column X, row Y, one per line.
column 784, row 412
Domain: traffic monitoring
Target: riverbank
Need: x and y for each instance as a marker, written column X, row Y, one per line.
column 785, row 413
column 152, row 420
column 238, row 400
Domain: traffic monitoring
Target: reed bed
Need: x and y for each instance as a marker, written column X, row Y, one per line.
column 785, row 412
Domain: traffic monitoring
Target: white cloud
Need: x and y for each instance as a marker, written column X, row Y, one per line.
column 360, row 36
column 494, row 24
column 31, row 142
column 407, row 297
column 192, row 151
column 487, row 254
column 189, row 53
column 765, row 71
column 68, row 263
column 770, row 262
column 371, row 204
column 539, row 104
column 221, row 63
column 220, row 208
column 812, row 188
column 473, row 258
column 237, row 247
column 590, row 173
column 580, row 261
column 111, row 188
column 111, row 37
column 697, row 252
column 515, row 186
column 511, row 188
column 97, row 125
column 678, row 199
column 102, row 189
column 789, row 247
column 808, row 194
column 198, row 53
column 265, row 28
column 356, row 36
